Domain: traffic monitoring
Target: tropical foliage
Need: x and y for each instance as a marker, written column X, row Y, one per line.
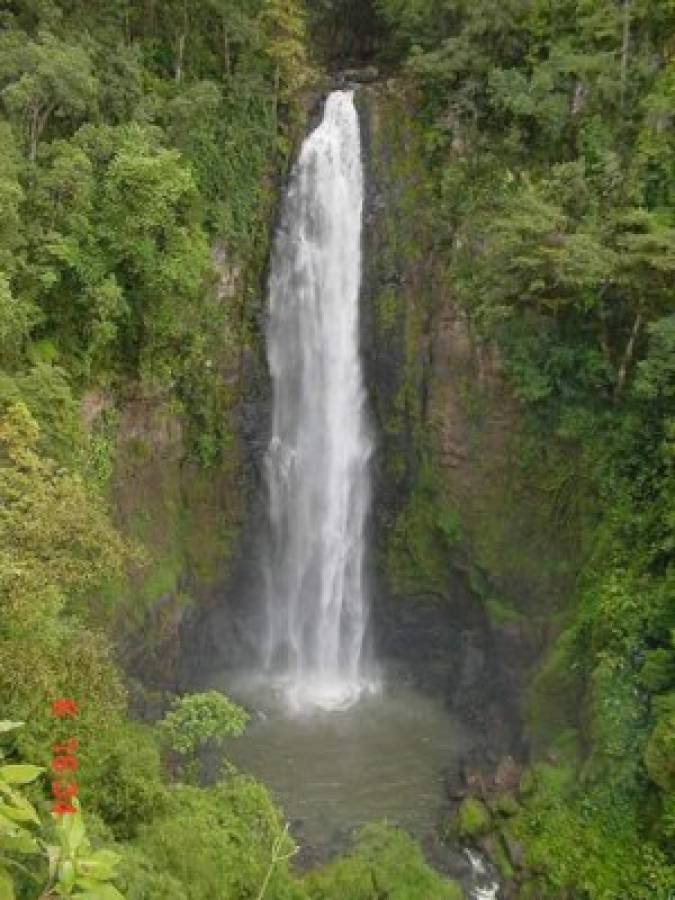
column 550, row 143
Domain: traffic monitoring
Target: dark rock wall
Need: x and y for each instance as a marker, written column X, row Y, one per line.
column 186, row 518
column 345, row 32
column 450, row 559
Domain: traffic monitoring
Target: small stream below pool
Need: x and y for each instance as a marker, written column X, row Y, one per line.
column 385, row 758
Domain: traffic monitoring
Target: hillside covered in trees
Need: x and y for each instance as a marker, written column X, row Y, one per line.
column 548, row 134
column 143, row 142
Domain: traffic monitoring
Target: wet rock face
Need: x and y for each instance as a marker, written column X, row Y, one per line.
column 491, row 784
column 443, row 418
column 349, row 77
column 448, row 649
column 187, row 598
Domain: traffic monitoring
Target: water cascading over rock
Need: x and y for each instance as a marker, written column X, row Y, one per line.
column 317, row 460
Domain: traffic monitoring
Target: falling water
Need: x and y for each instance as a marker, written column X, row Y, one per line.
column 317, row 460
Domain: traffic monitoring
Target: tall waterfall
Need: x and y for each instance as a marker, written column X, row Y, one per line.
column 317, row 460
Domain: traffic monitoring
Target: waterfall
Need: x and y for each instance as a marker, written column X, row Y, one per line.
column 317, row 460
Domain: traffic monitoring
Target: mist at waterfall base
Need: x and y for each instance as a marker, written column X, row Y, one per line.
column 337, row 744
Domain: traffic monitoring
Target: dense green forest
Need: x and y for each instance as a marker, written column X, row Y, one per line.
column 549, row 133
column 136, row 136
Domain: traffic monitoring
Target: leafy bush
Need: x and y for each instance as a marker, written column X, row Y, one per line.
column 124, row 779
column 219, row 842
column 198, row 718
column 386, row 862
column 660, row 752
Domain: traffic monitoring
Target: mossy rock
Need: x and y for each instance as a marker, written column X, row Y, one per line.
column 530, row 890
column 513, row 847
column 473, row 818
column 505, row 805
column 528, row 783
column 495, row 848
column 501, row 613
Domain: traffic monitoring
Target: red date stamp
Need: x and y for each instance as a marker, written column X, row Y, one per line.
column 64, row 762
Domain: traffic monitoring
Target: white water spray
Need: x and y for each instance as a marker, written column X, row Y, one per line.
column 317, row 461
column 485, row 887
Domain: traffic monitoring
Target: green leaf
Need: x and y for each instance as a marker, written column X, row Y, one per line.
column 101, row 892
column 74, row 835
column 20, row 803
column 19, row 843
column 18, row 813
column 21, row 774
column 100, row 865
column 6, row 886
column 9, row 726
column 67, row 873
column 53, row 854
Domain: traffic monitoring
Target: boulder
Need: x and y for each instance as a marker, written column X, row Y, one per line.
column 505, row 805
column 508, row 775
column 473, row 818
column 515, row 850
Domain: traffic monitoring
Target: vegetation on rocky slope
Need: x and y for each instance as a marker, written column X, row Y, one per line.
column 549, row 144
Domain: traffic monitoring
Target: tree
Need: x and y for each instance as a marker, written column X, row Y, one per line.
column 155, row 244
column 196, row 719
column 44, row 78
column 16, row 318
column 533, row 256
column 285, row 26
column 656, row 148
column 69, row 270
column 118, row 256
column 646, row 254
column 56, row 539
column 16, row 313
column 11, row 198
column 236, row 29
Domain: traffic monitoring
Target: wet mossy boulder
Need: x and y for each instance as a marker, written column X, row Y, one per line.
column 494, row 848
column 473, row 818
column 505, row 805
column 528, row 784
